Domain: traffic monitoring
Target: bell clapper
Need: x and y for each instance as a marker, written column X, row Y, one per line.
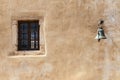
column 98, row 40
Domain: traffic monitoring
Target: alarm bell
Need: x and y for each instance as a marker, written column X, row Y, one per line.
column 101, row 34
column 100, row 31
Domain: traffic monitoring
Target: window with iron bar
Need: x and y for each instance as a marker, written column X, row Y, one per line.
column 28, row 35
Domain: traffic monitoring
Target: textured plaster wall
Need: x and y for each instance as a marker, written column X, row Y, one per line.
column 70, row 28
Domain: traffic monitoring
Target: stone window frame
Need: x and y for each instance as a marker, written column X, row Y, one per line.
column 14, row 31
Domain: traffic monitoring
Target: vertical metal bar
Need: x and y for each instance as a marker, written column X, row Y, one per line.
column 38, row 38
column 29, row 35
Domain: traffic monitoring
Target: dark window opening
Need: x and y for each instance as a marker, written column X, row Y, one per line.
column 28, row 35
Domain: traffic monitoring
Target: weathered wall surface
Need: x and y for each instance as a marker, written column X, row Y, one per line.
column 70, row 29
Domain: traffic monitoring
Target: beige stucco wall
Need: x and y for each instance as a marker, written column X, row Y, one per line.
column 70, row 28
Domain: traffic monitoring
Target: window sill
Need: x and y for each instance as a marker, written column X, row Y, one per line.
column 17, row 54
column 28, row 53
column 27, row 56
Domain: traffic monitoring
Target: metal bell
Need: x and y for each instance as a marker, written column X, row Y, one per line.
column 100, row 34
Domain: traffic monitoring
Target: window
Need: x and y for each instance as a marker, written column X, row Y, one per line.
column 28, row 35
